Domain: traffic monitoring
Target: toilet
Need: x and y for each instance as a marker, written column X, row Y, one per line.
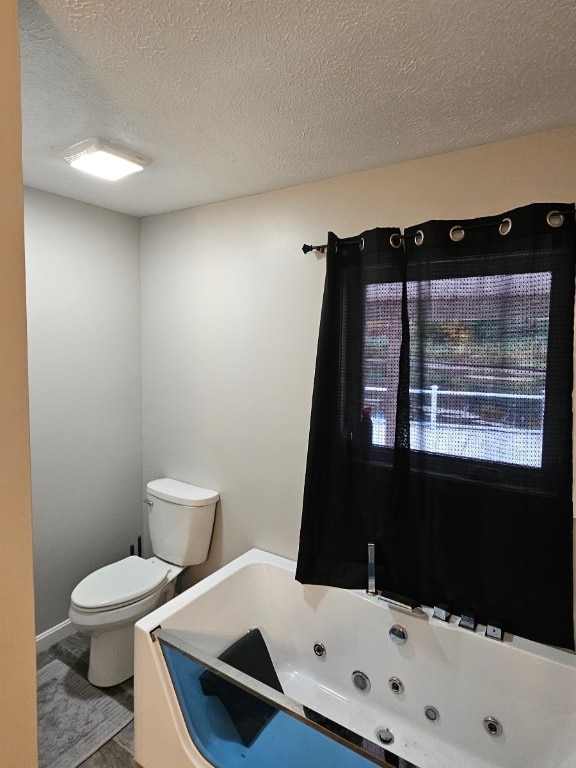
column 108, row 602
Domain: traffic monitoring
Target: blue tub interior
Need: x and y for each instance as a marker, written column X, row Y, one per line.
column 285, row 742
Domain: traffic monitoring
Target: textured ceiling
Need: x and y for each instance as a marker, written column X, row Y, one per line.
column 235, row 97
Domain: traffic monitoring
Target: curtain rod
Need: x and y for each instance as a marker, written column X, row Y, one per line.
column 554, row 219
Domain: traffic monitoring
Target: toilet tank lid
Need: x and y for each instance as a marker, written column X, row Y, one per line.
column 181, row 493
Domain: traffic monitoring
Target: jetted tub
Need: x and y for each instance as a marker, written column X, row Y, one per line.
column 529, row 690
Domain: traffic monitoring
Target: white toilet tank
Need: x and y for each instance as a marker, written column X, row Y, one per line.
column 181, row 520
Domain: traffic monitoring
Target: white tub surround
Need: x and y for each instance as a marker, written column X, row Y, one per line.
column 529, row 689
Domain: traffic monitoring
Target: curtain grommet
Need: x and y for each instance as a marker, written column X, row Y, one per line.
column 419, row 237
column 505, row 226
column 361, row 244
column 555, row 219
column 395, row 240
column 457, row 233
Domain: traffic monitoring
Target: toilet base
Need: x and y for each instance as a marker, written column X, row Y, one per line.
column 111, row 657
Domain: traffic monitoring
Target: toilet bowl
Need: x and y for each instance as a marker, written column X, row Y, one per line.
column 108, row 602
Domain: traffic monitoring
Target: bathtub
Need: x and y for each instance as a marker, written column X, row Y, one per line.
column 529, row 690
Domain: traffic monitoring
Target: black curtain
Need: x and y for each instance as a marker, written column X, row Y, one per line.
column 441, row 425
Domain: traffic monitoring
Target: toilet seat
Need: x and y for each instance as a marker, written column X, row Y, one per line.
column 119, row 584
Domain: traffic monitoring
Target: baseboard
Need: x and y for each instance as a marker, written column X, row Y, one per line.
column 53, row 635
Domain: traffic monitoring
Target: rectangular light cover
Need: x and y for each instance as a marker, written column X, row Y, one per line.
column 104, row 159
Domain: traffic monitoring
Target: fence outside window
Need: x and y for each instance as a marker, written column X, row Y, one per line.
column 472, row 424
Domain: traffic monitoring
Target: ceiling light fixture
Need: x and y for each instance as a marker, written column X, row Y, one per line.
column 104, row 159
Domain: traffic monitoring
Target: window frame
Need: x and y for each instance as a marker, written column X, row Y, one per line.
column 542, row 480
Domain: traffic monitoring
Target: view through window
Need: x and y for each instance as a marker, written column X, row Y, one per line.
column 477, row 377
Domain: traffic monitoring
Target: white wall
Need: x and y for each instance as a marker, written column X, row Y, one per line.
column 83, row 294
column 231, row 308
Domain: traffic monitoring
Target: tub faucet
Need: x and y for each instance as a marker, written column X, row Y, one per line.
column 371, row 570
column 401, row 602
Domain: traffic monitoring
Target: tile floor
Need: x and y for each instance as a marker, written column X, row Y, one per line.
column 118, row 752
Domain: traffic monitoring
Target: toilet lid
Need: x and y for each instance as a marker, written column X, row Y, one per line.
column 120, row 583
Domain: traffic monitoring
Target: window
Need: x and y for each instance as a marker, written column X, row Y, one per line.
column 478, row 353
